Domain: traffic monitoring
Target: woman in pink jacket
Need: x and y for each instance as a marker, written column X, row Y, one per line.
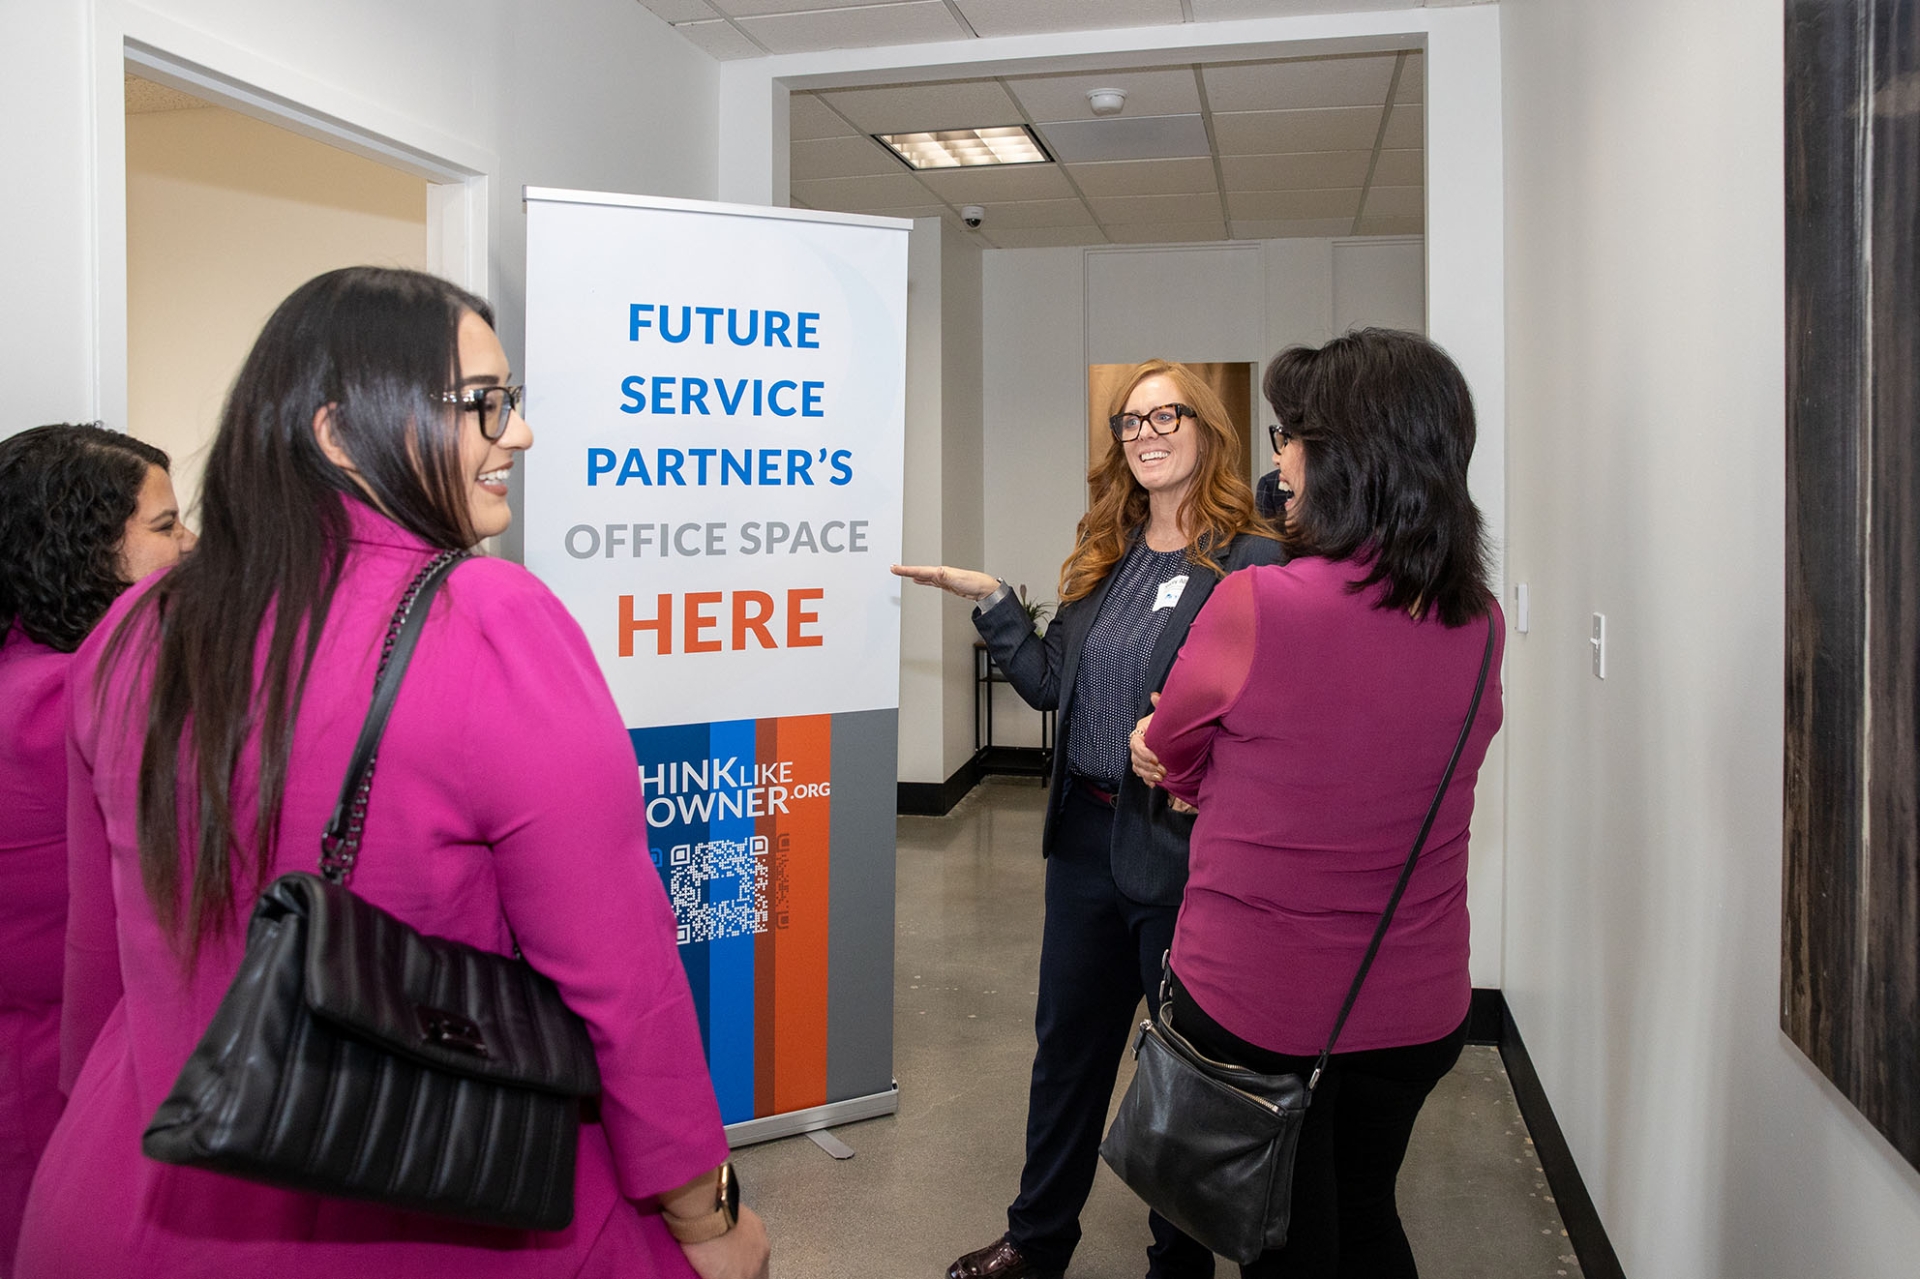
column 84, row 512
column 371, row 427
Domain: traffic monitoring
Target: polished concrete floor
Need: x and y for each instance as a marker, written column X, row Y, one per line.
column 933, row 1181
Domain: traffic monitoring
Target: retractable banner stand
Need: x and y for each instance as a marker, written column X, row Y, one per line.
column 718, row 398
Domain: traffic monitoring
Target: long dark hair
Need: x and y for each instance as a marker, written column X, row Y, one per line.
column 1387, row 423
column 1218, row 506
column 377, row 349
column 66, row 494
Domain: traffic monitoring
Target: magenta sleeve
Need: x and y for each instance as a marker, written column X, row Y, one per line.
column 552, row 779
column 1206, row 680
column 90, row 984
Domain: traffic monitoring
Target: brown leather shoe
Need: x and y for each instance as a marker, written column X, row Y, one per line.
column 998, row 1260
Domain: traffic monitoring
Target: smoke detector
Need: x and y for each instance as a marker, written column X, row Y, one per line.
column 1106, row 101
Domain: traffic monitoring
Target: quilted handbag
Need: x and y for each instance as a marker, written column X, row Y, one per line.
column 353, row 1056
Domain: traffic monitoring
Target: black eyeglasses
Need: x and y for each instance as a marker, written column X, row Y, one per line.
column 1280, row 436
column 1164, row 420
column 492, row 403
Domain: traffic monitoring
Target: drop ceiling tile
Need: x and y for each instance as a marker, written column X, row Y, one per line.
column 1027, row 214
column 762, row 8
column 1406, row 128
column 1156, row 137
column 1144, row 177
column 1167, row 233
column 719, row 39
column 914, row 22
column 1159, row 91
column 1281, row 132
column 1406, row 168
column 1393, row 226
column 1396, row 202
column 855, row 157
column 680, row 10
column 1299, row 83
column 1117, row 210
column 984, row 184
column 1223, row 10
column 1024, row 17
column 1306, row 171
column 809, row 118
column 921, row 108
column 851, row 195
column 910, row 211
column 1263, row 205
column 1413, row 79
column 1292, row 228
column 1046, row 237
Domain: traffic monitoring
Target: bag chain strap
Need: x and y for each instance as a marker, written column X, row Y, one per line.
column 339, row 848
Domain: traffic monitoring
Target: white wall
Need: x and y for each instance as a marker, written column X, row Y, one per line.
column 1644, row 174
column 225, row 216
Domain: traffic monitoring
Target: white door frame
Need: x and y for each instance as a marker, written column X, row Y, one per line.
column 127, row 37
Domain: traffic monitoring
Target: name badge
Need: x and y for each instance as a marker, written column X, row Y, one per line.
column 1170, row 592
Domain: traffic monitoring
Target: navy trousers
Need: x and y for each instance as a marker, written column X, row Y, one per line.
column 1099, row 953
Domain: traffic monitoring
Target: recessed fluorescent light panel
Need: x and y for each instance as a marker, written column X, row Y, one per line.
column 966, row 148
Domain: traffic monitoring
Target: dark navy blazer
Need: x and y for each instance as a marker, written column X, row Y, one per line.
column 1149, row 838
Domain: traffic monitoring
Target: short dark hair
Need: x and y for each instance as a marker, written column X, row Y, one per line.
column 66, row 494
column 1387, row 423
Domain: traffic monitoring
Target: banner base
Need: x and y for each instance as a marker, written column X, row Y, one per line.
column 770, row 1127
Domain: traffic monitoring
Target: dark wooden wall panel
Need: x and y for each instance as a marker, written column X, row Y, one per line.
column 1850, row 964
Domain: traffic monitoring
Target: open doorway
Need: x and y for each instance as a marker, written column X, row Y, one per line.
column 226, row 215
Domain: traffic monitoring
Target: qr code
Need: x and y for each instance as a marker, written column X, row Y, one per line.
column 718, row 888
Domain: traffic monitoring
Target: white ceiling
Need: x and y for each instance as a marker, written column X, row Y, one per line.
column 752, row 28
column 1331, row 146
column 1246, row 150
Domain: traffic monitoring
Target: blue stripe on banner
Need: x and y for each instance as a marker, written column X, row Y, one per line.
column 674, row 830
column 730, row 952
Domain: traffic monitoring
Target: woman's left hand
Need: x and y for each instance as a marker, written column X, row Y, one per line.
column 1146, row 765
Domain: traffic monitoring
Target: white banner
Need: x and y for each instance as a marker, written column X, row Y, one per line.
column 718, row 398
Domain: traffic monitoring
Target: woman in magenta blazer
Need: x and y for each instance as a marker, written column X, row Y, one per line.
column 1310, row 717
column 371, row 427
column 84, row 512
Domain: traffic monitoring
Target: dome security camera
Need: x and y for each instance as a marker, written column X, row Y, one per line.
column 973, row 215
column 1106, row 101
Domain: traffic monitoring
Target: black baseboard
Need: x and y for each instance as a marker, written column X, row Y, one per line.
column 1486, row 1017
column 936, row 799
column 1584, row 1229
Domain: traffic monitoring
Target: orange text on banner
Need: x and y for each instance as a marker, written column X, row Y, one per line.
column 710, row 621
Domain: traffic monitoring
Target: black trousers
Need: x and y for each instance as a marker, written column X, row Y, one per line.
column 1346, row 1222
column 1099, row 953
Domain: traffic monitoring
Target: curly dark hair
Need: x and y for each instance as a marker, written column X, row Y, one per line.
column 66, row 494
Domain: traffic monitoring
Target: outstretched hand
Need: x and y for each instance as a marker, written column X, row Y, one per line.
column 964, row 582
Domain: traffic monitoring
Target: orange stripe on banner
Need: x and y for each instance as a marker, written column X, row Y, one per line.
column 800, row 954
column 766, row 943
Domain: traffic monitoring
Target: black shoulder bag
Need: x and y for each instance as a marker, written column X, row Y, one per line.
column 1209, row 1145
column 353, row 1056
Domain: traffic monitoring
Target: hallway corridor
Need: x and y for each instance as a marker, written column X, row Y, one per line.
column 933, row 1181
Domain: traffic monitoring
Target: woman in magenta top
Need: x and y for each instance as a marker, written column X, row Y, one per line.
column 84, row 512
column 1310, row 718
column 371, row 427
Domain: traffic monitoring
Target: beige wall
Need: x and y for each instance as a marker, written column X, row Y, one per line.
column 225, row 216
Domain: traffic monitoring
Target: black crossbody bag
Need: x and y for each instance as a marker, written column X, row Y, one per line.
column 354, row 1056
column 1208, row 1144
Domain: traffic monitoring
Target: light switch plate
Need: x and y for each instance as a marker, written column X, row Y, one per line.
column 1521, row 619
column 1599, row 642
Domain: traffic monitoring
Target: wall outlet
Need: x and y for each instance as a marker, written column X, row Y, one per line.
column 1599, row 642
